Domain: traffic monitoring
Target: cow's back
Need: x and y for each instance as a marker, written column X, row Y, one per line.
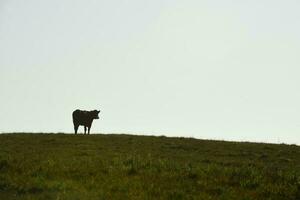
column 76, row 115
column 80, row 117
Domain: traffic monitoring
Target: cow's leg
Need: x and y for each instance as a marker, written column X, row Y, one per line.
column 84, row 129
column 89, row 128
column 76, row 128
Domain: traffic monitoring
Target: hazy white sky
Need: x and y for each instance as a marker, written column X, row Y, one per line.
column 217, row 69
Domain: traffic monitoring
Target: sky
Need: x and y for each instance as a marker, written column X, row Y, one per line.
column 208, row 69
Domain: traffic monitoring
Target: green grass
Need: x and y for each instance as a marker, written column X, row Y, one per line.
column 62, row 166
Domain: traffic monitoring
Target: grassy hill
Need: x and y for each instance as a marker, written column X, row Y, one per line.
column 62, row 166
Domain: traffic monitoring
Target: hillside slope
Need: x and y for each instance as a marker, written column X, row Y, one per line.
column 65, row 166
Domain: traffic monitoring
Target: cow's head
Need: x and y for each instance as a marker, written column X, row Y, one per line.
column 95, row 114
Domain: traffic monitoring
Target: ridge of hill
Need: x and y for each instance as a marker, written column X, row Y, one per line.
column 65, row 166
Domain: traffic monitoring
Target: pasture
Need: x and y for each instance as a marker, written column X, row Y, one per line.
column 68, row 166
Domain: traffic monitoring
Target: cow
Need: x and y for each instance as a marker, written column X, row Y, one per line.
column 84, row 118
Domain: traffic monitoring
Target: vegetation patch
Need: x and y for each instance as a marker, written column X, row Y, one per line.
column 65, row 166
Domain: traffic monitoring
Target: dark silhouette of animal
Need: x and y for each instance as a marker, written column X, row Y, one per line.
column 84, row 118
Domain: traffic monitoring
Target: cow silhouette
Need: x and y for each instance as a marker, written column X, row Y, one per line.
column 84, row 118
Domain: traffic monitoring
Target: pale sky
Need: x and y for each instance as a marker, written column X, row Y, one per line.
column 209, row 69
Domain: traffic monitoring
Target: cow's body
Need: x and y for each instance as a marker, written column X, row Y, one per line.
column 84, row 118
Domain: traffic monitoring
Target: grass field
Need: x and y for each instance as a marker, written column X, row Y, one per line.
column 65, row 166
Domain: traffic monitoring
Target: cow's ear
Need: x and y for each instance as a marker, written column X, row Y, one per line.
column 98, row 111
